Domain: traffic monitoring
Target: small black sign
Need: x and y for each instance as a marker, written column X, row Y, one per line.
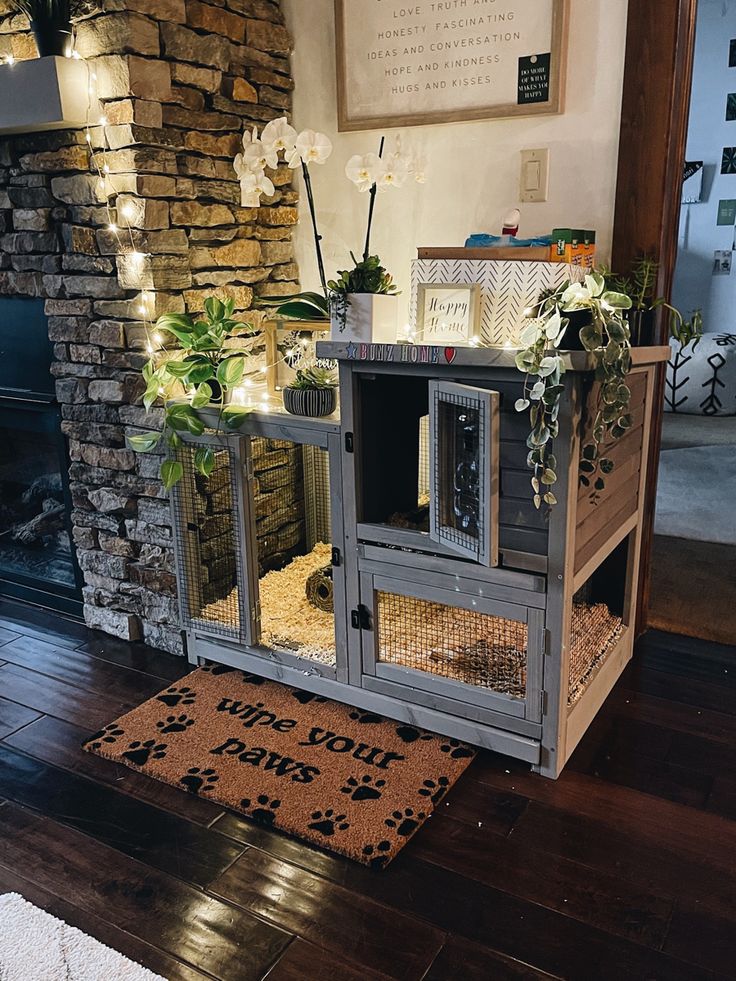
column 732, row 54
column 534, row 79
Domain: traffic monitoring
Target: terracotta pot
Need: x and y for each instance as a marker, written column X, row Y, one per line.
column 310, row 401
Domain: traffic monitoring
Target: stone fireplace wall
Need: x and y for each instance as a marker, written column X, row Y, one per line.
column 178, row 80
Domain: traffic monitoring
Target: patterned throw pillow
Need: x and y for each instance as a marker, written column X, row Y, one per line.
column 701, row 377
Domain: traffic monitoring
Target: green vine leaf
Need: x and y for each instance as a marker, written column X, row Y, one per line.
column 204, row 460
column 171, row 473
column 144, row 442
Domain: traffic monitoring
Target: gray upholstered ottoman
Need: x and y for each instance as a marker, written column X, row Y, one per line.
column 701, row 377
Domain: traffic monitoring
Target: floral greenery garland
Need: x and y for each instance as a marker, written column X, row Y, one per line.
column 608, row 339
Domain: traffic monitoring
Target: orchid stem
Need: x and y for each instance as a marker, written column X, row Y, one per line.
column 367, row 250
column 317, row 236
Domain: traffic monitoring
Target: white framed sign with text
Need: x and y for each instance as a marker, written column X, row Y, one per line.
column 448, row 313
column 405, row 63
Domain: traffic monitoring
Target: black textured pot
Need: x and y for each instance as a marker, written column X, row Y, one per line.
column 310, row 401
column 641, row 325
column 578, row 319
column 52, row 38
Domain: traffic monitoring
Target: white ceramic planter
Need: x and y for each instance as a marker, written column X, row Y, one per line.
column 44, row 94
column 370, row 318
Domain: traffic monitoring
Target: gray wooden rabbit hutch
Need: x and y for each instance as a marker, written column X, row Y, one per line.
column 392, row 557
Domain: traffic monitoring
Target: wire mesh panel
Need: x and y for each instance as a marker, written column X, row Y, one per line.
column 453, row 642
column 464, row 459
column 209, row 546
column 293, row 531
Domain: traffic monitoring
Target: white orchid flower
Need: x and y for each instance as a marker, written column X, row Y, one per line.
column 364, row 171
column 263, row 184
column 278, row 135
column 395, row 172
column 310, row 147
column 257, row 156
column 576, row 295
column 250, row 196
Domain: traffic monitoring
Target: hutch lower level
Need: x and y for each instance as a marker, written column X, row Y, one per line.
column 392, row 558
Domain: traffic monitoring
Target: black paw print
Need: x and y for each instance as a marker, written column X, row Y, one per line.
column 409, row 734
column 175, row 723
column 140, row 753
column 252, row 679
column 109, row 734
column 217, row 669
column 365, row 718
column 364, row 789
column 376, row 854
column 327, row 823
column 199, row 781
column 305, row 697
column 177, row 696
column 435, row 789
column 405, row 822
column 457, row 750
column 265, row 813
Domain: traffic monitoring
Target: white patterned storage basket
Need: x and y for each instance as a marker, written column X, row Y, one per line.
column 508, row 287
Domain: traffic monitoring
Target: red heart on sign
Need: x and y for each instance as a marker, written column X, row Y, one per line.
column 450, row 354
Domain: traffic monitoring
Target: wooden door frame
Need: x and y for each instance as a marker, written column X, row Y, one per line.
column 660, row 43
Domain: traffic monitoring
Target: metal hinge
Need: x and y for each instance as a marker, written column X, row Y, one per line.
column 336, row 558
column 249, row 469
column 543, row 702
column 349, row 443
column 360, row 619
column 256, row 612
column 545, row 642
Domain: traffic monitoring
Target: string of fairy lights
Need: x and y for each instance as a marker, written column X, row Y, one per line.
column 122, row 224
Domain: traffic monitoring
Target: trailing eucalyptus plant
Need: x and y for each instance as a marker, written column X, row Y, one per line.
column 607, row 338
column 204, row 365
column 366, row 276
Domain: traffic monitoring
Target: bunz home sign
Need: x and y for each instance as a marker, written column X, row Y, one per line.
column 429, row 61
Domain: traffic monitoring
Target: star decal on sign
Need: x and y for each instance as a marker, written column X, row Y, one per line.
column 352, row 351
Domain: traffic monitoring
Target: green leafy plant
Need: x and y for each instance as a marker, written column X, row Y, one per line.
column 641, row 286
column 313, row 378
column 203, row 366
column 607, row 338
column 299, row 306
column 366, row 276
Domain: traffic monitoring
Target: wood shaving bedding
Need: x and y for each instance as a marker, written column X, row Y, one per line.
column 289, row 622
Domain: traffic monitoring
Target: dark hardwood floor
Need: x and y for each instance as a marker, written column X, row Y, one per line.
column 625, row 868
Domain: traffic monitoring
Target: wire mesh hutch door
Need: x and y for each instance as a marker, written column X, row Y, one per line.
column 464, row 461
column 210, row 520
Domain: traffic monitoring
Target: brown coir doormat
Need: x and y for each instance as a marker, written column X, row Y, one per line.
column 347, row 780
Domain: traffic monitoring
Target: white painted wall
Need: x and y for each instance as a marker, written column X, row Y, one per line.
column 473, row 167
column 695, row 285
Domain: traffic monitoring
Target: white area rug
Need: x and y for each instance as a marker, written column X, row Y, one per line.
column 35, row 946
column 696, row 494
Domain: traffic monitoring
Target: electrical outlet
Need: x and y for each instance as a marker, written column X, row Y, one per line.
column 534, row 183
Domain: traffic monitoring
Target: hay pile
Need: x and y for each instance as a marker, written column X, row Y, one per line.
column 595, row 631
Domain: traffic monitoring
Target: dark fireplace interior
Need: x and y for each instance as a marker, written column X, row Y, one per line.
column 37, row 561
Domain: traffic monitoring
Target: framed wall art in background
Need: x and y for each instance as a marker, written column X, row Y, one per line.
column 401, row 64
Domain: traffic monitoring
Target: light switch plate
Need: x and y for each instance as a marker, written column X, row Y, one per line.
column 534, row 182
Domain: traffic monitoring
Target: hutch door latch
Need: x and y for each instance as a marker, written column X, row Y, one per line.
column 361, row 618
column 349, row 443
column 336, row 557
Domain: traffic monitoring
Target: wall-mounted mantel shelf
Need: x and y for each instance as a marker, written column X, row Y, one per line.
column 44, row 94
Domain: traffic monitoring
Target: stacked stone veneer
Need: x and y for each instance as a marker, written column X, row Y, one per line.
column 178, row 80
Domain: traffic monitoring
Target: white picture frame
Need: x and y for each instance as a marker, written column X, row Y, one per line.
column 448, row 313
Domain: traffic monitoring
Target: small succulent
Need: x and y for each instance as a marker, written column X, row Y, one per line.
column 313, row 377
column 366, row 276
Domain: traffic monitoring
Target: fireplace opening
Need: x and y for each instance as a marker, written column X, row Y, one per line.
column 37, row 559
